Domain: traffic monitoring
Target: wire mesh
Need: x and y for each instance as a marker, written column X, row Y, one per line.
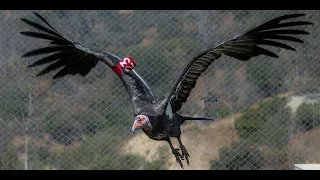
column 267, row 110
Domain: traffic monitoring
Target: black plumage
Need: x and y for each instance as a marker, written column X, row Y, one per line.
column 159, row 118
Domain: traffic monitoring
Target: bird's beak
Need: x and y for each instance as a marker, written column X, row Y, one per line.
column 134, row 126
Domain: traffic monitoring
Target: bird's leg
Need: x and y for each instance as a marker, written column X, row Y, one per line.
column 183, row 150
column 175, row 152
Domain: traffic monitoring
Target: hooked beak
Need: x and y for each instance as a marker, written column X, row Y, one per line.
column 134, row 126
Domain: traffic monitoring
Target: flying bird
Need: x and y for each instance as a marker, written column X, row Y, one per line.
column 159, row 118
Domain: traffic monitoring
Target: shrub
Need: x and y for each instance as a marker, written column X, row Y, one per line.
column 308, row 116
column 13, row 102
column 96, row 152
column 239, row 156
column 9, row 160
column 268, row 77
column 267, row 124
column 153, row 165
column 220, row 112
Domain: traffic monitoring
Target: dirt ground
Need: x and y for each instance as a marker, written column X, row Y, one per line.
column 307, row 146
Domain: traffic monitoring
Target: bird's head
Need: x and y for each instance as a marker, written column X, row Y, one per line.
column 141, row 122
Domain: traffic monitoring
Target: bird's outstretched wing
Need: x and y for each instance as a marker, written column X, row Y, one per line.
column 74, row 59
column 242, row 47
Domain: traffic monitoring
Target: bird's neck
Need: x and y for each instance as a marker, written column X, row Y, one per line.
column 146, row 131
column 147, row 127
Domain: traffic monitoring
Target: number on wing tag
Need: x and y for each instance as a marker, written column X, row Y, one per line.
column 126, row 64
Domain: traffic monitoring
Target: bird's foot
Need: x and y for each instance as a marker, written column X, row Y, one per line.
column 185, row 154
column 178, row 156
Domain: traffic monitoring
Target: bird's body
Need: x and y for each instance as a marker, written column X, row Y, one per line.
column 159, row 118
column 162, row 131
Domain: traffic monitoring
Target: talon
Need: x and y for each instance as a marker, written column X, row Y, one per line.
column 185, row 154
column 178, row 156
column 177, row 152
column 179, row 161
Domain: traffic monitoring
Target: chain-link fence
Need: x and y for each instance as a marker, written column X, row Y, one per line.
column 267, row 110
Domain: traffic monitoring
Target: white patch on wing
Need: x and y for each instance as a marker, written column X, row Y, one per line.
column 169, row 111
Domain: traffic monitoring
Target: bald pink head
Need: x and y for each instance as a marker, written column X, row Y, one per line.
column 141, row 122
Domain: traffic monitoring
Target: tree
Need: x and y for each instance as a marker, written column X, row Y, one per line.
column 268, row 124
column 239, row 156
column 267, row 76
column 308, row 116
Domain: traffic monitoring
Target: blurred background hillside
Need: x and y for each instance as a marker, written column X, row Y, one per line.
column 267, row 110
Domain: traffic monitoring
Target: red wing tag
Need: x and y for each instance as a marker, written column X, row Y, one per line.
column 126, row 64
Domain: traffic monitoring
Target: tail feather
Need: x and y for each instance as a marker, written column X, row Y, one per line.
column 197, row 118
column 181, row 119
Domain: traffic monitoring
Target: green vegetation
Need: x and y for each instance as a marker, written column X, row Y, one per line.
column 308, row 116
column 95, row 152
column 13, row 102
column 154, row 165
column 267, row 76
column 239, row 156
column 9, row 160
column 267, row 124
column 221, row 111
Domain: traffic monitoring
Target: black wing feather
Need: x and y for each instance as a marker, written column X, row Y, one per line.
column 275, row 43
column 47, row 59
column 45, row 21
column 52, row 67
column 64, row 52
column 41, row 36
column 60, row 42
column 282, row 37
column 274, row 22
column 242, row 47
column 39, row 27
column 50, row 49
column 74, row 59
